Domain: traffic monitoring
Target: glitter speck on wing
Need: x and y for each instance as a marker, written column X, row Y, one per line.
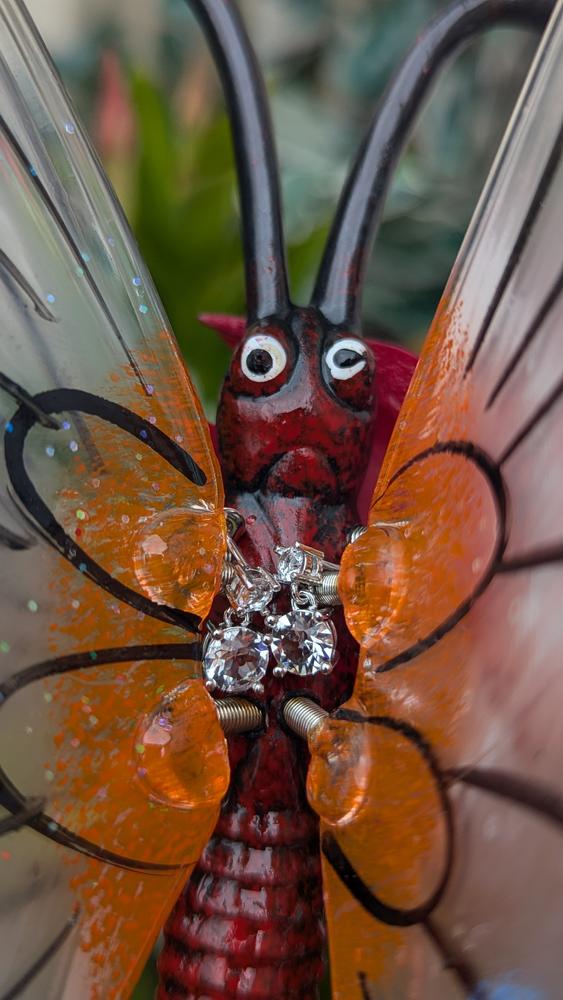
column 154, row 545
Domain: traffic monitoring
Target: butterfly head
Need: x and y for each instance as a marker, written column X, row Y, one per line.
column 297, row 408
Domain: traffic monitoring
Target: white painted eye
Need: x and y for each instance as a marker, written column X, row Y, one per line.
column 346, row 357
column 263, row 358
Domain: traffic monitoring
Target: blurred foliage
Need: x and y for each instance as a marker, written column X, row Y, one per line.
column 146, row 987
column 327, row 63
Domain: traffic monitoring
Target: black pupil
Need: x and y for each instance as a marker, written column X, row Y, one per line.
column 259, row 361
column 346, row 357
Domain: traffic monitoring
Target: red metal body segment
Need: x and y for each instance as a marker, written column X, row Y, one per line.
column 250, row 922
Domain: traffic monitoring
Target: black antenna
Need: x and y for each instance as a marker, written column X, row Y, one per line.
column 338, row 290
column 267, row 291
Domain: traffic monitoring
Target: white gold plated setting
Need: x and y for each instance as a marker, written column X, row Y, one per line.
column 299, row 640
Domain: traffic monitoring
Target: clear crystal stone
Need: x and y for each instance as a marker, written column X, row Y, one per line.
column 236, row 658
column 255, row 597
column 302, row 644
column 299, row 562
column 290, row 564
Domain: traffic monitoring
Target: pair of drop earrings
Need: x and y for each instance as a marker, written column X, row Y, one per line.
column 302, row 640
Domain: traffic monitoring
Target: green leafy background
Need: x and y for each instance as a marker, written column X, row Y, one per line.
column 327, row 63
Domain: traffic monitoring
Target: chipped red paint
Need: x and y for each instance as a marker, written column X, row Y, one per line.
column 250, row 922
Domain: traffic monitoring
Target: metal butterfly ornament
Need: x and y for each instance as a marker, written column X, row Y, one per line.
column 430, row 777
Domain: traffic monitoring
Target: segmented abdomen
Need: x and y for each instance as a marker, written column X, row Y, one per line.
column 250, row 922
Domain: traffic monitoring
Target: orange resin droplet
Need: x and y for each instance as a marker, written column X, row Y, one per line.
column 338, row 776
column 372, row 580
column 395, row 585
column 176, row 764
column 175, row 556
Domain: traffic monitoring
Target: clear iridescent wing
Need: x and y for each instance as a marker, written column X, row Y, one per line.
column 440, row 782
column 111, row 547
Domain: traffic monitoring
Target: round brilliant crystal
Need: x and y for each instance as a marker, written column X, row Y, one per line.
column 303, row 645
column 236, row 658
column 256, row 597
column 291, row 563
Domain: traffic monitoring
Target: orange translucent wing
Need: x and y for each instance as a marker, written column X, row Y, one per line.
column 112, row 763
column 440, row 783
